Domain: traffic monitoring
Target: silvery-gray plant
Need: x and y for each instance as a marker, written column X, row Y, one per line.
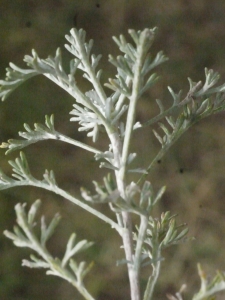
column 110, row 108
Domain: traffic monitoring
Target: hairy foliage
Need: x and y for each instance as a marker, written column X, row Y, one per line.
column 110, row 108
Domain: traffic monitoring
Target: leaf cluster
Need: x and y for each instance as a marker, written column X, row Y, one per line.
column 24, row 235
column 112, row 112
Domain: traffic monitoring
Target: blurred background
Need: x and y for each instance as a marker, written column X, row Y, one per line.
column 192, row 35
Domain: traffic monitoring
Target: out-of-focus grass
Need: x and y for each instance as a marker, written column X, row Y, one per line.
column 192, row 34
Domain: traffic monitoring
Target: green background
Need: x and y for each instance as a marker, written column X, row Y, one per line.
column 192, row 35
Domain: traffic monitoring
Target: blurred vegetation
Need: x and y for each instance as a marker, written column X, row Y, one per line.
column 191, row 33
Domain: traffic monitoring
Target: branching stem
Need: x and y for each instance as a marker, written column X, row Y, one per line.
column 121, row 160
column 66, row 195
column 54, row 264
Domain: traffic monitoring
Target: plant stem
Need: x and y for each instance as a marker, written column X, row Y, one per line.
column 164, row 150
column 120, row 159
column 174, row 107
column 133, row 102
column 89, row 69
column 140, row 240
column 152, row 281
column 66, row 139
column 127, row 222
column 37, row 183
column 127, row 240
column 54, row 264
column 156, row 264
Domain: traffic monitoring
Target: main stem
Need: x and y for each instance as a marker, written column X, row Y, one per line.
column 156, row 257
column 121, row 153
column 127, row 222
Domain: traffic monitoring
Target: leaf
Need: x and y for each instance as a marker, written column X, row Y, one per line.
column 21, row 167
column 209, row 287
column 176, row 97
column 35, row 263
column 81, row 269
column 148, row 65
column 49, row 178
column 39, row 133
column 73, row 248
column 47, row 232
column 33, row 212
column 15, row 76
